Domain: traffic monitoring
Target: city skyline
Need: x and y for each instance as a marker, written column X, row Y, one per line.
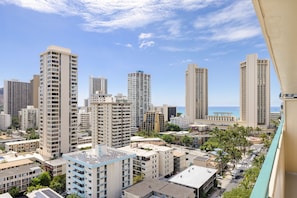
column 114, row 39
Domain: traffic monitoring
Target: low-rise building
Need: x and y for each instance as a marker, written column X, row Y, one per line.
column 157, row 188
column 17, row 173
column 22, row 146
column 146, row 162
column 55, row 167
column 152, row 161
column 43, row 193
column 99, row 172
column 182, row 121
column 200, row 179
column 179, row 161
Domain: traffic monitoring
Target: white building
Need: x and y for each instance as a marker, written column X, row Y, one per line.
column 97, row 86
column 199, row 178
column 58, row 102
column 5, row 121
column 17, row 173
column 196, row 92
column 152, row 161
column 139, row 94
column 111, row 121
column 255, row 91
column 84, row 120
column 182, row 121
column 99, row 172
column 29, row 118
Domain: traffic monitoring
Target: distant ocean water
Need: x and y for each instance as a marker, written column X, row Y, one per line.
column 235, row 110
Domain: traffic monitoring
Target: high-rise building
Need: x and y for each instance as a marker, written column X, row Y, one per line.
column 58, row 102
column 111, row 121
column 29, row 118
column 168, row 111
column 139, row 94
column 97, row 85
column 196, row 92
column 255, row 91
column 98, row 172
column 35, row 90
column 153, row 122
column 17, row 95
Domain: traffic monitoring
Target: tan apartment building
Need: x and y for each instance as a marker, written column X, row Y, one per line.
column 255, row 91
column 111, row 121
column 196, row 92
column 22, row 146
column 153, row 121
column 58, row 102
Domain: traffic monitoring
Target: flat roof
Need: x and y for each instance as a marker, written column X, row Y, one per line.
column 44, row 193
column 178, row 153
column 22, row 142
column 15, row 163
column 101, row 155
column 56, row 162
column 147, row 186
column 193, row 176
column 138, row 151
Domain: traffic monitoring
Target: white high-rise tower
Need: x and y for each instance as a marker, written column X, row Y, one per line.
column 196, row 92
column 58, row 102
column 255, row 91
column 139, row 94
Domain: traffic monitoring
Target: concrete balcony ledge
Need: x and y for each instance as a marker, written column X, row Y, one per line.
column 270, row 177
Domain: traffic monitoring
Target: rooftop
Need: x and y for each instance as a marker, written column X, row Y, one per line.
column 22, row 142
column 101, row 155
column 145, row 187
column 6, row 165
column 194, row 176
column 44, row 193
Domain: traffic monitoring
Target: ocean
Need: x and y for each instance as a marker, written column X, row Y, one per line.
column 232, row 109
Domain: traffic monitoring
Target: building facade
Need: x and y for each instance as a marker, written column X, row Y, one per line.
column 168, row 111
column 84, row 120
column 139, row 94
column 111, row 121
column 100, row 172
column 196, row 92
column 17, row 95
column 97, row 86
column 255, row 91
column 22, row 146
column 18, row 173
column 5, row 121
column 153, row 122
column 58, row 102
column 34, row 83
column 152, row 161
column 29, row 118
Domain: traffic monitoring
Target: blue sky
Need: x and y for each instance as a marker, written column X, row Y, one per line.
column 113, row 38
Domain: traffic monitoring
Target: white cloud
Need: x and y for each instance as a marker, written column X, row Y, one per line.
column 145, row 36
column 232, row 23
column 129, row 45
column 104, row 16
column 145, row 44
column 178, row 49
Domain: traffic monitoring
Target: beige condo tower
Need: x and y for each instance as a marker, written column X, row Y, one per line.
column 58, row 102
column 196, row 92
column 255, row 91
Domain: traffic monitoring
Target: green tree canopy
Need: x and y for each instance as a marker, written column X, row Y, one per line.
column 168, row 138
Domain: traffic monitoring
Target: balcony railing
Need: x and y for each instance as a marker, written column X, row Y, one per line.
column 265, row 183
